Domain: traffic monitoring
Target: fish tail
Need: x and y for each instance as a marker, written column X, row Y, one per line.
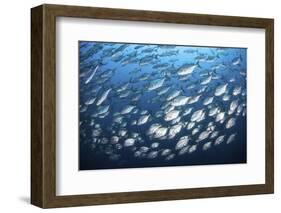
column 240, row 57
column 182, row 89
column 198, row 65
column 100, row 63
column 165, row 75
column 240, row 60
column 131, row 79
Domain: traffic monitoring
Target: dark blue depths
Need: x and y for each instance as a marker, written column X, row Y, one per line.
column 144, row 105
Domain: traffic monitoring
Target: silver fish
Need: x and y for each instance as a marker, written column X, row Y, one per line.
column 143, row 112
column 187, row 111
column 160, row 132
column 114, row 139
column 190, row 125
column 170, row 157
column 152, row 155
column 207, row 146
column 231, row 138
column 96, row 132
column 169, row 109
column 192, row 148
column 236, row 61
column 208, row 101
column 143, row 119
column 127, row 109
column 137, row 154
column 230, row 123
column 173, row 94
column 206, row 80
column 182, row 142
column 103, row 115
column 172, row 115
column 220, row 117
column 221, row 89
column 90, row 101
column 129, row 142
column 155, row 84
column 184, row 150
column 163, row 91
column 214, row 134
column 175, row 121
column 153, row 128
column 123, row 87
column 187, row 69
column 233, row 105
column 134, row 135
column 239, row 109
column 237, row 90
column 195, row 131
column 103, row 97
column 219, row 140
column 197, row 115
column 203, row 135
column 92, row 75
column 226, row 97
column 174, row 130
column 144, row 149
column 118, row 119
column 154, row 145
column 122, row 132
column 101, row 110
column 194, row 99
column 83, row 108
column 166, row 152
column 213, row 111
column 104, row 141
column 179, row 101
column 124, row 94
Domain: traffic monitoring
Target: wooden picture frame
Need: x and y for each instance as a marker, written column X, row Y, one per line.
column 43, row 105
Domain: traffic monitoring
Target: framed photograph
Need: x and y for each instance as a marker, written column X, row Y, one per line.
column 137, row 106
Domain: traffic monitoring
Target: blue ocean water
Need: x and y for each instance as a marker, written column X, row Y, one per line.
column 149, row 105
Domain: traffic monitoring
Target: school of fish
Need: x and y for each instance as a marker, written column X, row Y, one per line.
column 159, row 101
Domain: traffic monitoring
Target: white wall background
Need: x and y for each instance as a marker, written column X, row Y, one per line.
column 15, row 105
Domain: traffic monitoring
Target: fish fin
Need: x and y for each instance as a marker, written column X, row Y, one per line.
column 156, row 56
column 212, row 51
column 131, row 79
column 150, row 113
column 166, row 76
column 241, row 60
column 101, row 63
column 182, row 89
column 240, row 57
column 198, row 65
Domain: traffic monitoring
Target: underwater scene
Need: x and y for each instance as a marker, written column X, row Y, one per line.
column 155, row 105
